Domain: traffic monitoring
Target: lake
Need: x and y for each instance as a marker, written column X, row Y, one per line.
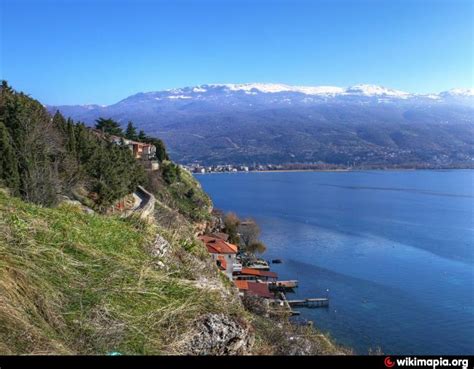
column 394, row 249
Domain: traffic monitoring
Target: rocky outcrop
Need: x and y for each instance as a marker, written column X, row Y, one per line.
column 160, row 247
column 219, row 334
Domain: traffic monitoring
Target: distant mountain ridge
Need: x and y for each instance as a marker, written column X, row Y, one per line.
column 361, row 125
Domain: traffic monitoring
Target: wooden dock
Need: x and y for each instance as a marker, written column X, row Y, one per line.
column 310, row 303
column 283, row 286
column 286, row 305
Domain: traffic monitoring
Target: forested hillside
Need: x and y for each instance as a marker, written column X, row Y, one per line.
column 44, row 156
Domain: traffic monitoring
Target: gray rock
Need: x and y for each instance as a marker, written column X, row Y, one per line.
column 219, row 334
column 160, row 247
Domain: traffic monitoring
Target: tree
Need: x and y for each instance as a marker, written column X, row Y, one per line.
column 256, row 247
column 142, row 136
column 170, row 172
column 231, row 225
column 70, row 137
column 109, row 126
column 42, row 156
column 8, row 163
column 131, row 132
column 34, row 142
column 58, row 121
column 249, row 232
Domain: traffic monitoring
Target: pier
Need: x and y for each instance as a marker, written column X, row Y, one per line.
column 283, row 286
column 309, row 303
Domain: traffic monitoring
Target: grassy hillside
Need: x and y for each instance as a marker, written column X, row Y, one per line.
column 72, row 283
column 76, row 283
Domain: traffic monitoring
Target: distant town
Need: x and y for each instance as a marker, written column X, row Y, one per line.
column 200, row 169
column 233, row 168
column 197, row 168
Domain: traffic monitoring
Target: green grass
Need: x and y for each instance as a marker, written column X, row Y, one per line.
column 84, row 284
column 185, row 194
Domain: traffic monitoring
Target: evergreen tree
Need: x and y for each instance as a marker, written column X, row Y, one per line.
column 8, row 162
column 70, row 137
column 59, row 121
column 41, row 156
column 109, row 126
column 142, row 136
column 131, row 132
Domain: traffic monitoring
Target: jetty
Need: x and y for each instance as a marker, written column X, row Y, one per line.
column 283, row 286
column 310, row 303
column 283, row 301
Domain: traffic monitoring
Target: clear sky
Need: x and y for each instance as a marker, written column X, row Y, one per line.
column 76, row 52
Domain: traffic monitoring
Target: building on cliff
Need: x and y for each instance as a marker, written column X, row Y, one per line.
column 224, row 253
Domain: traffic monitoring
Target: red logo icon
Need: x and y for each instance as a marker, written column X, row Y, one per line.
column 388, row 362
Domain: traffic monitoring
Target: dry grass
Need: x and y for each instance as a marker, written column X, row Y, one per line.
column 72, row 283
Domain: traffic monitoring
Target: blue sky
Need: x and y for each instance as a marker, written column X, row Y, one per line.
column 76, row 52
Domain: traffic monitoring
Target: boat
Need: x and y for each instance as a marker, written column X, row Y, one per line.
column 277, row 261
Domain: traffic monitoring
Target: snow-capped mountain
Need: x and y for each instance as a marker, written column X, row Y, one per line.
column 276, row 89
column 275, row 93
column 269, row 122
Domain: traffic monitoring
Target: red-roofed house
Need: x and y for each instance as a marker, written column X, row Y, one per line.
column 254, row 288
column 223, row 253
column 256, row 274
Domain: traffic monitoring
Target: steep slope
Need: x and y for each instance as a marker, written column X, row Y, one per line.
column 362, row 125
column 75, row 281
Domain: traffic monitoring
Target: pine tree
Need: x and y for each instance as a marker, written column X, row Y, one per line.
column 8, row 162
column 71, row 137
column 142, row 137
column 109, row 126
column 131, row 132
column 59, row 122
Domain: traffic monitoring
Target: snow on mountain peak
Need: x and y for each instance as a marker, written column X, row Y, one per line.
column 361, row 89
column 459, row 92
column 279, row 87
column 374, row 90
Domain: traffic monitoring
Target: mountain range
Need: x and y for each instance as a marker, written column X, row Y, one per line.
column 361, row 125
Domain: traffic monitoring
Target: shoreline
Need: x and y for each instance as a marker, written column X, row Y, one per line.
column 340, row 170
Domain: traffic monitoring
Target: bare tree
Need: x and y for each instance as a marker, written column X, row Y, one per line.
column 249, row 232
column 231, row 226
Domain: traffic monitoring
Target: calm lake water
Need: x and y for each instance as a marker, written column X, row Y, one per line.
column 394, row 248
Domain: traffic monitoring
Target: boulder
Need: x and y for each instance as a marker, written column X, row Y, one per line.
column 219, row 334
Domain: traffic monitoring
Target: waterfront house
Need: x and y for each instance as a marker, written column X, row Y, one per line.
column 224, row 253
column 250, row 274
column 253, row 288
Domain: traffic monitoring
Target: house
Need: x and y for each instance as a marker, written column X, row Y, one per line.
column 223, row 253
column 140, row 150
column 253, row 288
column 250, row 274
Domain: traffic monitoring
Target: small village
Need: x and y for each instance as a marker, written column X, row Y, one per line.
column 253, row 277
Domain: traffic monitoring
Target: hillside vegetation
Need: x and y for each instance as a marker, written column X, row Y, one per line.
column 73, row 283
column 76, row 281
